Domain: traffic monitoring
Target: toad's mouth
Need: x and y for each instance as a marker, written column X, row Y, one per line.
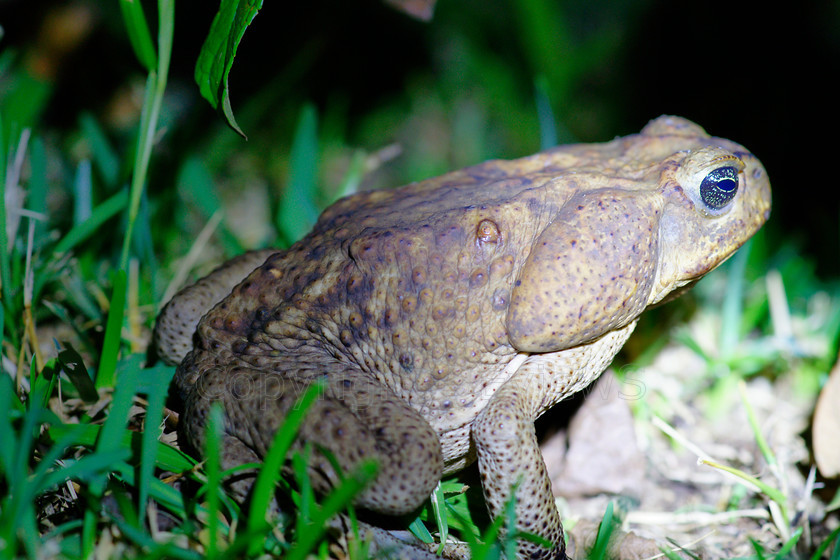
column 677, row 292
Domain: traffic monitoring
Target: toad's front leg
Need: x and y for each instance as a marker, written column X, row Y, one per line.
column 509, row 460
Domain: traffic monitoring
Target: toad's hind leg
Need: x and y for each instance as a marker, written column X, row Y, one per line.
column 355, row 419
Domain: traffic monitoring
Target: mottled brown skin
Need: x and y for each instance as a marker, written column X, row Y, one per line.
column 445, row 316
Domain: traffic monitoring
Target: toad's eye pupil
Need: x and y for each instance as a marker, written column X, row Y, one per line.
column 719, row 187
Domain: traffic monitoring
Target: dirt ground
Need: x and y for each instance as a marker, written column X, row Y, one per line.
column 637, row 442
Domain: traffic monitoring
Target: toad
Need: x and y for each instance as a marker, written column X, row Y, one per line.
column 445, row 316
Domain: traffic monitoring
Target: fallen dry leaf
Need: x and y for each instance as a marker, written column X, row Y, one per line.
column 826, row 427
column 602, row 454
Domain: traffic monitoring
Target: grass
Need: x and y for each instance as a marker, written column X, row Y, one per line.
column 87, row 467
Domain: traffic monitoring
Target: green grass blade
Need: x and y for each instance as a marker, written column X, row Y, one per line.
column 3, row 372
column 338, row 499
column 162, row 493
column 166, row 457
column 42, row 385
column 212, row 468
column 488, row 547
column 545, row 115
column 110, row 439
column 58, row 448
column 419, row 530
column 154, row 549
column 733, row 306
column 144, row 248
column 88, row 468
column 5, row 268
column 546, row 39
column 104, row 156
column 297, row 211
column 305, row 502
column 98, row 216
column 196, row 185
column 149, row 438
column 273, row 461
column 766, row 452
column 74, row 366
column 789, row 545
column 152, row 101
column 440, row 515
column 148, row 126
column 82, row 193
column 113, row 330
column 834, row 537
column 138, row 33
column 29, row 432
column 10, row 442
column 605, row 530
column 17, row 513
column 114, row 432
column 768, row 490
column 353, row 178
column 24, row 96
column 37, row 197
column 166, row 31
column 218, row 52
column 510, row 534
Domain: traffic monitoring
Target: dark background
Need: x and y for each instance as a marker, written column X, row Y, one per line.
column 761, row 75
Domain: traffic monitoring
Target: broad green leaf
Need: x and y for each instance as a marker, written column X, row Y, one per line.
column 216, row 57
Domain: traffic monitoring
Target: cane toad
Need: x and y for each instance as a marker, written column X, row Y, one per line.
column 445, row 316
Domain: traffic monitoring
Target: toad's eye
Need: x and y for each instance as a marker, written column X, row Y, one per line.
column 719, row 187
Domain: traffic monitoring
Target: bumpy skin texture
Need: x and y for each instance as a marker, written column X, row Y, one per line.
column 447, row 315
